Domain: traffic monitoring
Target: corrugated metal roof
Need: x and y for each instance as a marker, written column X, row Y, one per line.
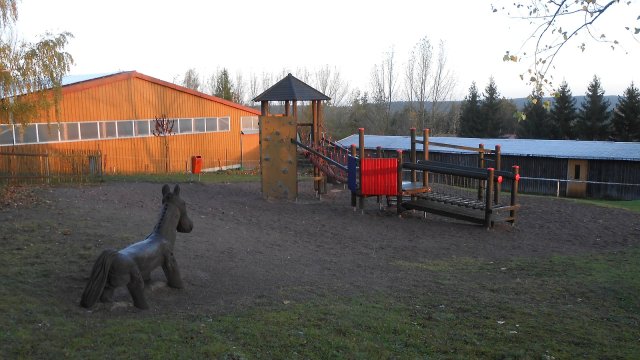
column 567, row 149
column 291, row 88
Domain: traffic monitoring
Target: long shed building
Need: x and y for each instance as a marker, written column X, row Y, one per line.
column 115, row 116
column 595, row 169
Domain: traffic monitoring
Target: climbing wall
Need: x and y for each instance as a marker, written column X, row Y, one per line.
column 278, row 157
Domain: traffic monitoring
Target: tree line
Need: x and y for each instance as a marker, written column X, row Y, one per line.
column 559, row 118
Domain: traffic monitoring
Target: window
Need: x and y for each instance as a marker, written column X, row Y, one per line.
column 199, row 125
column 249, row 124
column 26, row 134
column 125, row 128
column 185, row 126
column 108, row 130
column 48, row 132
column 94, row 130
column 88, row 130
column 141, row 128
column 576, row 172
column 224, row 124
column 212, row 124
column 6, row 134
column 71, row 131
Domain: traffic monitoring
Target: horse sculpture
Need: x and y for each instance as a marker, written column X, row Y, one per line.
column 132, row 266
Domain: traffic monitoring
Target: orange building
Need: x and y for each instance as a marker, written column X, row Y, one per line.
column 116, row 116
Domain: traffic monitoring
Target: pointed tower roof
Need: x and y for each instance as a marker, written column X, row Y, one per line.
column 291, row 88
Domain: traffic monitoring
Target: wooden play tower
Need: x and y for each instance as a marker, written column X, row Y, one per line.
column 278, row 156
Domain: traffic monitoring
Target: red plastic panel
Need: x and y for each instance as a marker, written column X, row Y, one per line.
column 379, row 176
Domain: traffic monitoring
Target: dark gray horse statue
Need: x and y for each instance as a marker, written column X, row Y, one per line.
column 132, row 266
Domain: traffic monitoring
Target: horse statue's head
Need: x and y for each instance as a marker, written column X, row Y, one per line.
column 185, row 224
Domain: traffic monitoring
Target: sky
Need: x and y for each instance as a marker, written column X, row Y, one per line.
column 164, row 39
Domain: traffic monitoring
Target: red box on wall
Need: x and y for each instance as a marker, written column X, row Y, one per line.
column 196, row 164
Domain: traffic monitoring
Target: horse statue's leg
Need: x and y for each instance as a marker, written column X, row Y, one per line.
column 171, row 271
column 136, row 288
column 107, row 294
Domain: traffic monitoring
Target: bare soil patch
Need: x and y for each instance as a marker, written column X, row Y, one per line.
column 245, row 251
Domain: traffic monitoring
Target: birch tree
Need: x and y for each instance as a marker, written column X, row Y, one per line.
column 383, row 81
column 442, row 83
column 191, row 80
column 27, row 69
column 424, row 58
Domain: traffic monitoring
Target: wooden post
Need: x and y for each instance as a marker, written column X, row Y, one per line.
column 322, row 183
column 399, row 184
column 480, row 165
column 498, row 186
column 286, row 108
column 361, row 151
column 425, row 150
column 379, row 155
column 488, row 198
column 264, row 108
column 514, row 192
column 414, row 177
column 314, row 143
column 295, row 110
column 354, row 194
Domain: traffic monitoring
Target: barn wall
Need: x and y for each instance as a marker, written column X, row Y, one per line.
column 614, row 171
column 147, row 154
column 138, row 97
column 250, row 151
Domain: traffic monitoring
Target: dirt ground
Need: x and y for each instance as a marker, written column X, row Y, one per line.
column 245, row 251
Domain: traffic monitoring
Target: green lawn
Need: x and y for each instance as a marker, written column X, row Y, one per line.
column 563, row 307
column 633, row 205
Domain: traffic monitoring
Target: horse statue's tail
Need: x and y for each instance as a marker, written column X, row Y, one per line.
column 98, row 278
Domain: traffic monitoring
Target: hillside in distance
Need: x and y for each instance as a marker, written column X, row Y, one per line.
column 519, row 102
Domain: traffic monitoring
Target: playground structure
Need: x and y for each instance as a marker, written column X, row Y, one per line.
column 278, row 154
column 462, row 192
column 468, row 193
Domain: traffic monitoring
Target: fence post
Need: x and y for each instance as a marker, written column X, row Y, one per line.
column 48, row 174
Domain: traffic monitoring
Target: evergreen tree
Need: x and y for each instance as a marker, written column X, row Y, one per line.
column 536, row 122
column 490, row 110
column 563, row 114
column 626, row 117
column 594, row 114
column 224, row 87
column 470, row 119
